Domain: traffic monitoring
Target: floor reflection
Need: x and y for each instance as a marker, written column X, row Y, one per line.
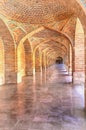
column 46, row 101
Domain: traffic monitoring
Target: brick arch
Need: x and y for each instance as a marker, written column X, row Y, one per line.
column 49, row 33
column 47, row 50
column 67, row 59
column 9, row 54
column 52, row 51
column 46, row 41
column 37, row 58
column 57, row 36
column 47, row 55
column 51, row 45
column 50, row 58
column 38, row 54
column 54, row 33
column 62, row 38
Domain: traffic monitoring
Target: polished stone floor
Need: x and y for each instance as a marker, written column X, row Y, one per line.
column 48, row 101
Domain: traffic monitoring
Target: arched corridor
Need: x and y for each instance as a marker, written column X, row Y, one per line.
column 42, row 65
column 59, row 60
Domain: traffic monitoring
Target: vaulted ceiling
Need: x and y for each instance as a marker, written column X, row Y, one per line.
column 44, row 22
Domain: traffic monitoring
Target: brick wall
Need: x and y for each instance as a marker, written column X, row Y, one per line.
column 28, row 58
column 9, row 54
column 38, row 60
column 79, row 47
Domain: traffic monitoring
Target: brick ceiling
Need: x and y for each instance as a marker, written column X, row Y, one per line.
column 26, row 16
column 35, row 11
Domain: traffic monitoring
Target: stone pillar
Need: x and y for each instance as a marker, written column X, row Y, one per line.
column 44, row 60
column 69, row 59
column 38, row 61
column 33, row 65
column 85, row 74
column 28, row 58
column 73, row 63
column 10, row 66
column 10, row 72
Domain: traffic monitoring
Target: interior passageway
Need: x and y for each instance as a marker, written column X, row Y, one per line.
column 48, row 101
column 42, row 65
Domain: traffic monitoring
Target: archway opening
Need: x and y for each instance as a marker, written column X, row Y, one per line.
column 59, row 60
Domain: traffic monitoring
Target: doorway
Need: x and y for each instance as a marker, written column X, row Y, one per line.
column 59, row 60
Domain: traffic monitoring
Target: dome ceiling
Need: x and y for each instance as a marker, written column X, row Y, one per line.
column 35, row 11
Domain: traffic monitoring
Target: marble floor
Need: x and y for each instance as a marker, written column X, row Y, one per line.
column 48, row 101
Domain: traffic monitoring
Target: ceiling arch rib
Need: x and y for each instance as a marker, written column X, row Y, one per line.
column 53, row 35
column 55, row 51
column 50, row 43
column 48, row 33
column 54, row 48
column 50, row 49
column 70, row 27
column 50, row 54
